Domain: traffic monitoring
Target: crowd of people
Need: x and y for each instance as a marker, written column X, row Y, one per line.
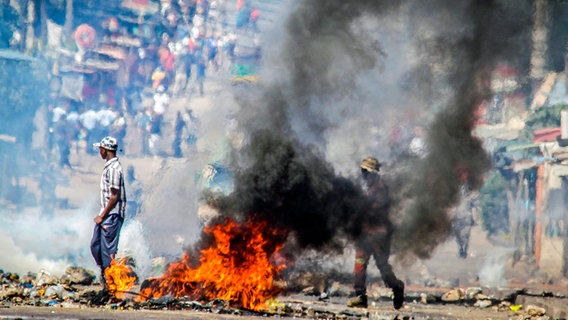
column 189, row 39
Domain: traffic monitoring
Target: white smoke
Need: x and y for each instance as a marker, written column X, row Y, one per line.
column 15, row 260
column 169, row 212
column 31, row 242
column 134, row 244
column 492, row 273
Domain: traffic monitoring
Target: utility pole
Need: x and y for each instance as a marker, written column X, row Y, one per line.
column 28, row 34
column 539, row 43
column 68, row 27
column 43, row 23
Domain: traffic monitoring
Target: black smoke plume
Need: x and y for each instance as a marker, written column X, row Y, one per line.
column 282, row 173
column 292, row 188
column 479, row 35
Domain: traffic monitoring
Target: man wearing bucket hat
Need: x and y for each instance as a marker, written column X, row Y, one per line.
column 108, row 222
column 375, row 238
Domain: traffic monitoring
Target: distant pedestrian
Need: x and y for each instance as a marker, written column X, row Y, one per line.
column 179, row 126
column 63, row 136
column 158, row 77
column 143, row 124
column 155, row 135
column 133, row 205
column 161, row 103
column 212, row 51
column 462, row 215
column 200, row 77
column 193, row 125
column 230, row 44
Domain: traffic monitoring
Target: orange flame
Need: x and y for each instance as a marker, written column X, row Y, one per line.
column 236, row 268
column 120, row 278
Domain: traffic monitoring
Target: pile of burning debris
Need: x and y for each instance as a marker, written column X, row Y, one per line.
column 77, row 287
column 304, row 294
column 241, row 271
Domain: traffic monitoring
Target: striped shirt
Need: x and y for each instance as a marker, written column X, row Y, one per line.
column 112, row 177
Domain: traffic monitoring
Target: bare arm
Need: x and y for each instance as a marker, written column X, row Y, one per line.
column 110, row 205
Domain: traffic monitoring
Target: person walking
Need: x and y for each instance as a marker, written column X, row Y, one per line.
column 134, row 203
column 200, row 76
column 108, row 222
column 375, row 238
column 178, row 132
column 462, row 213
column 63, row 137
column 144, row 125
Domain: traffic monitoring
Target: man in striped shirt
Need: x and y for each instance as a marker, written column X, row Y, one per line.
column 108, row 222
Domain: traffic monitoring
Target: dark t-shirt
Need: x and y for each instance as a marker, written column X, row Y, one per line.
column 379, row 198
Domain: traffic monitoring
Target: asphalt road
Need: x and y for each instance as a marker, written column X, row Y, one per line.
column 298, row 307
column 379, row 311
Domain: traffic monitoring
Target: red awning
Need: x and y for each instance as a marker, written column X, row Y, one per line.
column 546, row 135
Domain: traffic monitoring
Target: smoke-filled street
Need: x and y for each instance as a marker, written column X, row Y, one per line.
column 297, row 159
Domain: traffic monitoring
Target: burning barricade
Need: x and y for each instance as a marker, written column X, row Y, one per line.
column 225, row 280
column 235, row 268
